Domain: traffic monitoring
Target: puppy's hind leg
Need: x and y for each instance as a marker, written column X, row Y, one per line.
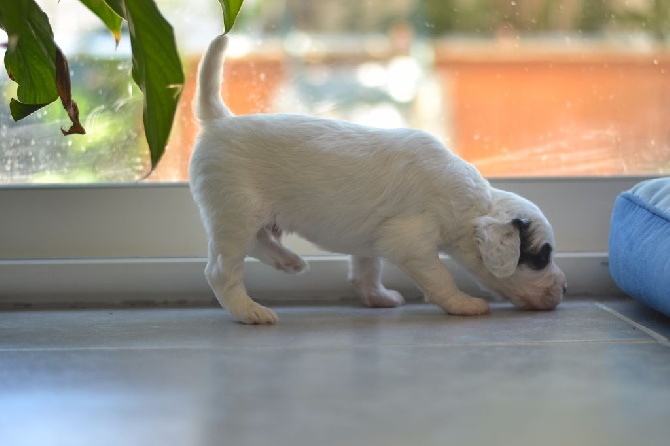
column 224, row 274
column 365, row 274
column 271, row 252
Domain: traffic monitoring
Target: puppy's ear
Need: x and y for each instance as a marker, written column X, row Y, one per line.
column 499, row 244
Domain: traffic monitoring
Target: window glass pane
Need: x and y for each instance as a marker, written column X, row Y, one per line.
column 519, row 88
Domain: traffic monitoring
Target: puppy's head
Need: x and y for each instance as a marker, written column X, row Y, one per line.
column 516, row 247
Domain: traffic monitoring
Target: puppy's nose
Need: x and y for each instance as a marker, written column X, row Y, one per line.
column 565, row 289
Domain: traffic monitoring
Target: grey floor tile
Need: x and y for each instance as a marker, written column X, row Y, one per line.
column 331, row 376
column 552, row 394
column 306, row 326
column 641, row 314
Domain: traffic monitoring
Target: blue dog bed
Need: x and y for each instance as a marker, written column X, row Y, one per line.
column 639, row 243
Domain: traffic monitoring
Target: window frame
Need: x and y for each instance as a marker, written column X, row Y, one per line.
column 102, row 243
column 109, row 244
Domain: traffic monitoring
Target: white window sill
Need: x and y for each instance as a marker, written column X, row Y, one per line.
column 181, row 281
column 115, row 244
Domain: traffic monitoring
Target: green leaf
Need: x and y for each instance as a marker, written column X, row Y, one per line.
column 230, row 10
column 117, row 7
column 31, row 55
column 19, row 110
column 157, row 70
column 110, row 18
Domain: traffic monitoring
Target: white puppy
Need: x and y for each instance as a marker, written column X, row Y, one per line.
column 372, row 193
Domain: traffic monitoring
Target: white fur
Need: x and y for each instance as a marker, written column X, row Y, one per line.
column 372, row 193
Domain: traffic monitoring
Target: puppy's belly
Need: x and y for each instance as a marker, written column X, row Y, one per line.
column 353, row 233
column 343, row 246
column 339, row 243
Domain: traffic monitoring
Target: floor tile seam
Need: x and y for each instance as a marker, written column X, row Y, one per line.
column 338, row 347
column 646, row 330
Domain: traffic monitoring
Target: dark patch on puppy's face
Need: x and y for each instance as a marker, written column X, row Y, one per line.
column 531, row 257
column 538, row 260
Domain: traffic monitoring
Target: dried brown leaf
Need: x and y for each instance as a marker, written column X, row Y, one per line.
column 65, row 92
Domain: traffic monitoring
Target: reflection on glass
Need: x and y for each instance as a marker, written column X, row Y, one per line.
column 519, row 88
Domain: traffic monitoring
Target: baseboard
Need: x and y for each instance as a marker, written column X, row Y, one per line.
column 180, row 281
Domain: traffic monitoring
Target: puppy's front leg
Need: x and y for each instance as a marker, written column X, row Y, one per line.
column 437, row 284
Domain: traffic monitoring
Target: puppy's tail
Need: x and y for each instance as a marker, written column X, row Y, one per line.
column 208, row 104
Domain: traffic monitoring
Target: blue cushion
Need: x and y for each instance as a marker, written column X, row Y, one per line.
column 639, row 243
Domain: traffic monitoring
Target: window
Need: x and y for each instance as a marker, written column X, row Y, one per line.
column 521, row 88
column 573, row 94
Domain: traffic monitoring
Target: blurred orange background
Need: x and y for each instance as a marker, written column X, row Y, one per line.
column 513, row 112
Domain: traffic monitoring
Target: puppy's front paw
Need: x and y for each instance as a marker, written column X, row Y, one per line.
column 464, row 305
column 382, row 298
column 254, row 314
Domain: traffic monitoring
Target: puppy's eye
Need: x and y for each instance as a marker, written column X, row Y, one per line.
column 545, row 253
column 537, row 260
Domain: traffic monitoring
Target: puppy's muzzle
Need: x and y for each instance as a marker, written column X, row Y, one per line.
column 541, row 295
column 548, row 299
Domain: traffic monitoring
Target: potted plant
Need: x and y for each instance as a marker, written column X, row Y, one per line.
column 34, row 61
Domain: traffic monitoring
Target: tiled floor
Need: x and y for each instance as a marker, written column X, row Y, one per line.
column 590, row 373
